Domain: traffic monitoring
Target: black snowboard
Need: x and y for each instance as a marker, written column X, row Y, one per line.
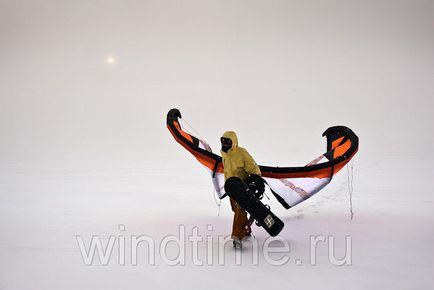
column 241, row 193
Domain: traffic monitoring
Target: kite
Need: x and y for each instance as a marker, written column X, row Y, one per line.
column 290, row 185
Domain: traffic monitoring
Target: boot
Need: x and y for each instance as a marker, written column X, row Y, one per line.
column 237, row 243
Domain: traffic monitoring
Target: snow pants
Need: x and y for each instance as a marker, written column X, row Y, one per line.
column 240, row 226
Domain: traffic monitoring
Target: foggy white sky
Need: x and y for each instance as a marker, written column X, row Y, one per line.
column 277, row 72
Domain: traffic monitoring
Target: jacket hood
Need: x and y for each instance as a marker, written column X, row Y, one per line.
column 233, row 136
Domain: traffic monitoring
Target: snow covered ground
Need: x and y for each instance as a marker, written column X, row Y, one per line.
column 46, row 203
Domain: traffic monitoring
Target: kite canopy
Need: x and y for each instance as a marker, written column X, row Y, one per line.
column 290, row 185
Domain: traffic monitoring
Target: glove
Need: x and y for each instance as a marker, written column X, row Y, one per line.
column 256, row 184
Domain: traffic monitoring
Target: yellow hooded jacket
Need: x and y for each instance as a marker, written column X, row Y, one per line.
column 237, row 161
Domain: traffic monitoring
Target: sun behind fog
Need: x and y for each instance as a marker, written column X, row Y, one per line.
column 110, row 60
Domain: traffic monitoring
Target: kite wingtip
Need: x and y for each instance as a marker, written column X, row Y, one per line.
column 174, row 113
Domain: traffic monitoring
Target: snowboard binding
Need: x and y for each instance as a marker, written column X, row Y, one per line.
column 256, row 185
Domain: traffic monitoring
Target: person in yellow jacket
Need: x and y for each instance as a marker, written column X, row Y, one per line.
column 237, row 162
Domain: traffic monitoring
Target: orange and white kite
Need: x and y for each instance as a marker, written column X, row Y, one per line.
column 290, row 185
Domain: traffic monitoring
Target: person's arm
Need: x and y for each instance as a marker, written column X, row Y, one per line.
column 250, row 165
column 254, row 181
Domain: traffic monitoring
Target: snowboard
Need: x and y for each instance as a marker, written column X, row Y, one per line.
column 241, row 193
